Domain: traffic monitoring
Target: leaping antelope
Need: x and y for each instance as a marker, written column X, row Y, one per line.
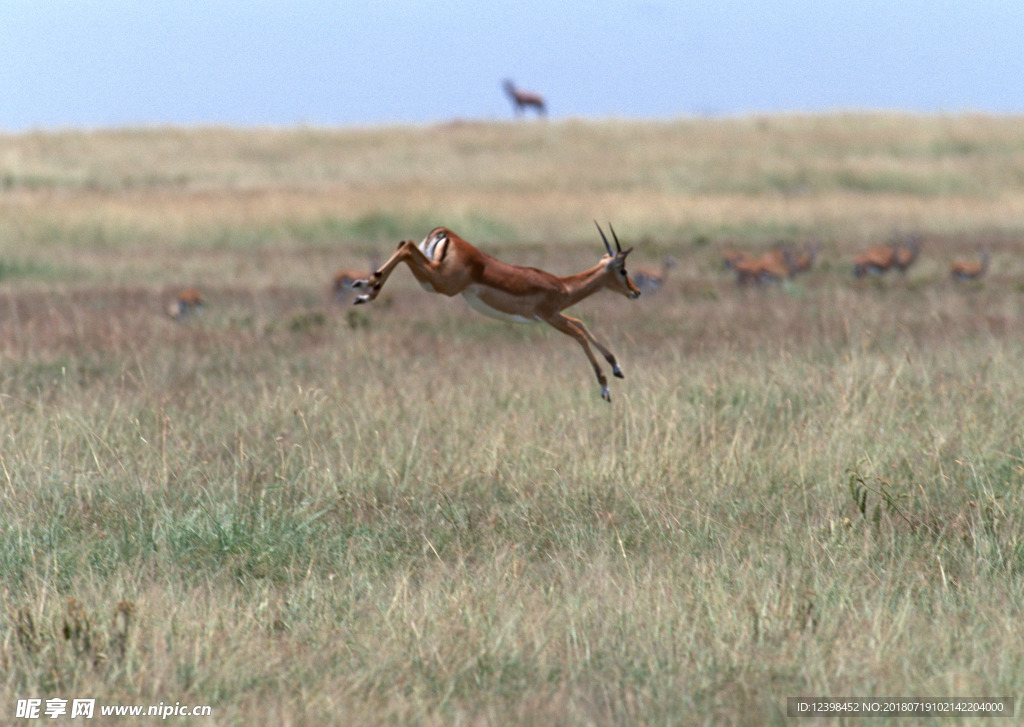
column 966, row 270
column 521, row 100
column 187, row 302
column 445, row 263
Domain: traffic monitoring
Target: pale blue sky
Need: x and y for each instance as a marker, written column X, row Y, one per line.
column 256, row 62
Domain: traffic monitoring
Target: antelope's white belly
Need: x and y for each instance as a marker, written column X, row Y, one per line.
column 472, row 297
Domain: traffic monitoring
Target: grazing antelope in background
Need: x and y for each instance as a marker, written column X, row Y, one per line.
column 649, row 278
column 187, row 302
column 881, row 258
column 804, row 261
column 521, row 100
column 730, row 257
column 344, row 280
column 876, row 260
column 966, row 270
column 445, row 263
column 906, row 254
column 770, row 267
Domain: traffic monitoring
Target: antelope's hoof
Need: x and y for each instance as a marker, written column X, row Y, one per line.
column 618, row 372
column 361, row 299
column 605, row 394
column 360, row 283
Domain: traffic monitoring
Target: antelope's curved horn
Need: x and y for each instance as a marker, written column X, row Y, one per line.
column 617, row 245
column 607, row 245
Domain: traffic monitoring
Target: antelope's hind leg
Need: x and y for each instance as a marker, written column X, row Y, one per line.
column 608, row 355
column 576, row 329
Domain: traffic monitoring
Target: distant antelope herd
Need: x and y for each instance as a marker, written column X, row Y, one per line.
column 900, row 255
column 771, row 266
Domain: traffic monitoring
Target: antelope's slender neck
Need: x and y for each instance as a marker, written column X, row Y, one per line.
column 585, row 284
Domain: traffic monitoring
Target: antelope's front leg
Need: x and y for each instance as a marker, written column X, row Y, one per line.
column 404, row 253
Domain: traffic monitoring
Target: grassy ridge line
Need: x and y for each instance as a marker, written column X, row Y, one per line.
column 169, row 206
column 515, row 182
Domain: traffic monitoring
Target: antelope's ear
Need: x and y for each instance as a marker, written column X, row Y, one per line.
column 622, row 255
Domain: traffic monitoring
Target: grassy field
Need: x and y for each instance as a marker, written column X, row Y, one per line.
column 302, row 513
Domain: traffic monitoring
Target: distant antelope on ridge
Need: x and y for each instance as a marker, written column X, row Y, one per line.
column 445, row 263
column 522, row 100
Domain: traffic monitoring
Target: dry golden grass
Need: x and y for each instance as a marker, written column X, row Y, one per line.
column 856, row 176
column 301, row 513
